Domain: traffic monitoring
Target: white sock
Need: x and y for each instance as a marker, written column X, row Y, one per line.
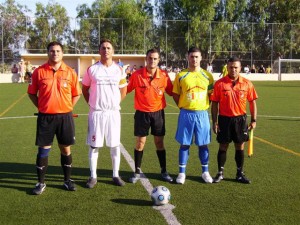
column 116, row 159
column 93, row 159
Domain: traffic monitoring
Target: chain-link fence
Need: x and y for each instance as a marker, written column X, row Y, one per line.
column 254, row 43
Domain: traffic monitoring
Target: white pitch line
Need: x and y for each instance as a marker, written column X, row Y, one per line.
column 16, row 117
column 259, row 116
column 283, row 117
column 165, row 210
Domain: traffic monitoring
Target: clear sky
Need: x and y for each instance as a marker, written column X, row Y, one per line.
column 70, row 5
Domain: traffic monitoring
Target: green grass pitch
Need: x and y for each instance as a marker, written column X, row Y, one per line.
column 272, row 198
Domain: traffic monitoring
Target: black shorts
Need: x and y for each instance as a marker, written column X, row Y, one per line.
column 49, row 125
column 232, row 129
column 144, row 120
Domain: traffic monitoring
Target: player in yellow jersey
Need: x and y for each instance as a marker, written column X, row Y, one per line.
column 268, row 69
column 224, row 70
column 191, row 90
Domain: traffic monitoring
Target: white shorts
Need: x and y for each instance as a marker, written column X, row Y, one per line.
column 104, row 124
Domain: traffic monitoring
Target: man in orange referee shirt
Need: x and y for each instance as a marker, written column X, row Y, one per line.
column 150, row 83
column 229, row 117
column 54, row 90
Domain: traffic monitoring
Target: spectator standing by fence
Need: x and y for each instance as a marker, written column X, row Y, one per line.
column 28, row 70
column 253, row 69
column 268, row 69
column 262, row 69
column 22, row 70
column 224, row 69
column 209, row 67
column 15, row 75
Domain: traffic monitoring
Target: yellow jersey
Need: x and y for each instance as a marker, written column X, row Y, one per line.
column 224, row 70
column 193, row 89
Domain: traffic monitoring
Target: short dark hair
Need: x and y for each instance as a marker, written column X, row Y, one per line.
column 153, row 50
column 234, row 59
column 53, row 43
column 105, row 40
column 193, row 49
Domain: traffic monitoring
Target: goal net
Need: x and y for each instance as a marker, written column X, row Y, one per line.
column 287, row 69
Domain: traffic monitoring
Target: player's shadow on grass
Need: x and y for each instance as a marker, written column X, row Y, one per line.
column 103, row 176
column 23, row 177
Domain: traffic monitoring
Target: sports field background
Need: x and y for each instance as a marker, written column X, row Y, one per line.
column 272, row 198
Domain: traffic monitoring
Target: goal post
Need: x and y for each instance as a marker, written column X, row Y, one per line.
column 287, row 67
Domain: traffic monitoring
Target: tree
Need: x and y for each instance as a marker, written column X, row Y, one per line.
column 222, row 28
column 51, row 24
column 276, row 32
column 13, row 30
column 192, row 27
column 122, row 21
column 254, row 30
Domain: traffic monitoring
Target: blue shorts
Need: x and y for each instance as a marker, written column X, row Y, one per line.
column 193, row 123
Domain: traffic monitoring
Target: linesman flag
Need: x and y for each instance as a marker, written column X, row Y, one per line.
column 250, row 143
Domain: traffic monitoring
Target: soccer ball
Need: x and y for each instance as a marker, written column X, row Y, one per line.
column 160, row 195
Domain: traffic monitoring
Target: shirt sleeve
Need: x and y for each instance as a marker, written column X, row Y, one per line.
column 86, row 80
column 33, row 85
column 131, row 83
column 210, row 87
column 169, row 87
column 215, row 95
column 76, row 90
column 176, row 85
column 252, row 95
column 123, row 81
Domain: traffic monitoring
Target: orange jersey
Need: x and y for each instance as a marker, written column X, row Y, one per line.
column 149, row 95
column 233, row 99
column 55, row 89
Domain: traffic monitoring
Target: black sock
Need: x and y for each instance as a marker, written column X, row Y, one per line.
column 239, row 159
column 138, row 155
column 161, row 154
column 221, row 160
column 41, row 168
column 66, row 164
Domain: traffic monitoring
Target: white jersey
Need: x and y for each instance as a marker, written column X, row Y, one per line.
column 105, row 83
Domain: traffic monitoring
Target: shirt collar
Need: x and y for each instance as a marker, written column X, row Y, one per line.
column 63, row 66
column 157, row 73
column 239, row 80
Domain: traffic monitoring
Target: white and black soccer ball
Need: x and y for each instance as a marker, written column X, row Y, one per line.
column 160, row 195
